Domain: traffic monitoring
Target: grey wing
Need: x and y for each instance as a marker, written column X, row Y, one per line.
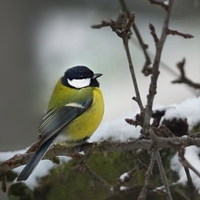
column 56, row 119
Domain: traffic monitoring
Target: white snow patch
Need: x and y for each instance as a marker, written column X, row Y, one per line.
column 190, row 109
column 123, row 176
column 122, row 188
column 192, row 155
column 117, row 129
column 166, row 2
column 41, row 170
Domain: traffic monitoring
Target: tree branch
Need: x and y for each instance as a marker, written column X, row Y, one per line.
column 146, row 69
column 143, row 192
column 162, row 4
column 155, row 139
column 188, row 166
column 163, row 176
column 122, row 27
column 185, row 163
column 190, row 184
column 107, row 146
column 96, row 177
column 183, row 78
column 175, row 32
column 138, row 98
column 156, row 64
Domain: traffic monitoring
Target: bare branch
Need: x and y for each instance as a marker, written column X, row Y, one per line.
column 156, row 64
column 190, row 184
column 155, row 139
column 175, row 32
column 107, row 146
column 185, row 163
column 153, row 33
column 103, row 24
column 146, row 69
column 163, row 175
column 122, row 27
column 143, row 192
column 121, row 180
column 3, row 180
column 96, row 177
column 183, row 78
column 186, row 166
column 139, row 101
column 162, row 4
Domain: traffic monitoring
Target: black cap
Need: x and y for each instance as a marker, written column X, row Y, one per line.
column 79, row 72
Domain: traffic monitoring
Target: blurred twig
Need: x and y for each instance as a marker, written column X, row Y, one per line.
column 183, row 78
column 190, row 184
column 186, row 166
column 155, row 139
column 3, row 182
column 163, row 65
column 126, row 177
column 160, row 3
column 163, row 176
column 96, row 177
column 143, row 192
column 185, row 163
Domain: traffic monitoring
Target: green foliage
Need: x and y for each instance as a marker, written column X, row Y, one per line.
column 20, row 191
column 10, row 176
column 196, row 128
column 69, row 181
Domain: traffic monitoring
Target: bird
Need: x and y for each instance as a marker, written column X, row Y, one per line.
column 74, row 112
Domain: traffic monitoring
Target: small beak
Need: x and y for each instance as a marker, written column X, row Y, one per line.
column 97, row 75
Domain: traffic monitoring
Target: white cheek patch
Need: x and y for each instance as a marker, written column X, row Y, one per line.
column 79, row 83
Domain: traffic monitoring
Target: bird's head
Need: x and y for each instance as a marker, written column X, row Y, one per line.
column 79, row 77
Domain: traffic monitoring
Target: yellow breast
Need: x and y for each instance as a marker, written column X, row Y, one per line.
column 84, row 125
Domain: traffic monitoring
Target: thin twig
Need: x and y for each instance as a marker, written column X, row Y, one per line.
column 103, row 24
column 140, row 39
column 190, row 184
column 154, row 137
column 153, row 33
column 143, row 192
column 3, row 182
column 183, row 78
column 122, row 27
column 139, row 101
column 154, row 77
column 123, row 31
column 175, row 32
column 96, row 177
column 186, row 166
column 126, row 177
column 162, row 4
column 163, row 176
column 185, row 162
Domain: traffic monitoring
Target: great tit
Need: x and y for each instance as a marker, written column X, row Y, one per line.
column 74, row 112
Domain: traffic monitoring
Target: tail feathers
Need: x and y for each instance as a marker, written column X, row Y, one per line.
column 28, row 169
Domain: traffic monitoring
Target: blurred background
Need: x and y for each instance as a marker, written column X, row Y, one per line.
column 39, row 40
